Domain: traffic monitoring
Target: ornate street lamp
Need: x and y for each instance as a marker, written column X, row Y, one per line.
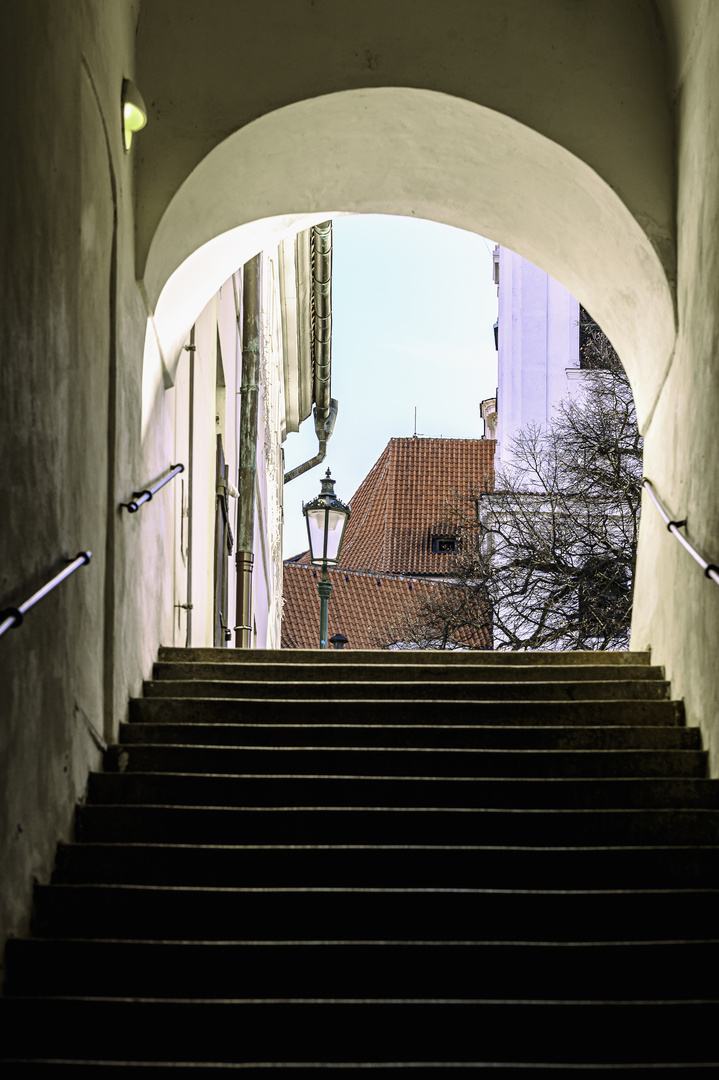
column 327, row 519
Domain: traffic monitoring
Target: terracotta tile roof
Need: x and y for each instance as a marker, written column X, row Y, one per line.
column 365, row 607
column 404, row 500
column 387, row 559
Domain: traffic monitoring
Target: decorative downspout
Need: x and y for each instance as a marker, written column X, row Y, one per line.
column 247, row 468
column 323, row 440
column 322, row 297
column 325, row 411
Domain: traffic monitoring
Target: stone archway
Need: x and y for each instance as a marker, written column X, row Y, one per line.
column 427, row 154
column 419, row 153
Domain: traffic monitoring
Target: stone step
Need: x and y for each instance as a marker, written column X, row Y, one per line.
column 507, row 1071
column 398, row 866
column 526, row 845
column 187, row 789
column 406, row 735
column 413, row 761
column 124, row 823
column 329, row 1031
column 486, row 713
column 649, row 970
column 337, row 658
column 396, row 690
column 287, row 671
column 186, row 913
column 379, row 1069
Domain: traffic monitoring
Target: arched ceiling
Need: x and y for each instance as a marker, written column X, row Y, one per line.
column 590, row 75
column 425, row 154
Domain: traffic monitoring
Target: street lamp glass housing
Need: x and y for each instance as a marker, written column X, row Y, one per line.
column 327, row 518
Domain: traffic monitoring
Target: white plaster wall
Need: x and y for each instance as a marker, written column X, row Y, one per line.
column 267, row 583
column 203, row 533
column 492, row 117
column 67, row 250
column 407, row 151
column 538, row 341
column 586, row 75
column 228, row 307
column 175, row 628
column 676, row 607
column 217, row 411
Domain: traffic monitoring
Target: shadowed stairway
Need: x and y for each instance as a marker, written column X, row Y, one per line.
column 431, row 861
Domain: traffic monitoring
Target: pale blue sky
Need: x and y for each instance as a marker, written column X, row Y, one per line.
column 413, row 307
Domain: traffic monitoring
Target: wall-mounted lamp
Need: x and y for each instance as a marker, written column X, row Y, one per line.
column 134, row 111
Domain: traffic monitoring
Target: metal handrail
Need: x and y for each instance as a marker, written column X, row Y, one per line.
column 141, row 497
column 710, row 569
column 13, row 616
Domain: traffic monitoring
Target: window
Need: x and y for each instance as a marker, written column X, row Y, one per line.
column 445, row 545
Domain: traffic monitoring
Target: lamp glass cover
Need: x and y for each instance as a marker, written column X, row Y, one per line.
column 316, row 531
column 335, row 527
column 324, row 547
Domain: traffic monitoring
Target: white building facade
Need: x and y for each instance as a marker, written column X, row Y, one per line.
column 212, row 572
column 537, row 345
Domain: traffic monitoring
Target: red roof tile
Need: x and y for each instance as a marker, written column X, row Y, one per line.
column 405, row 500
column 367, row 608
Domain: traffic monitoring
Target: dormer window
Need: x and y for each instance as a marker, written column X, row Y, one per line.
column 445, row 545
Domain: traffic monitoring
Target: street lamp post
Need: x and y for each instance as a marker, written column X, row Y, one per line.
column 327, row 518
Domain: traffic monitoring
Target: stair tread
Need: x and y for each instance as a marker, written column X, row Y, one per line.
column 355, row 943
column 440, row 692
column 222, row 710
column 409, row 761
column 386, row 889
column 664, row 1021
column 246, row 845
column 707, row 784
column 372, row 656
column 357, row 789
column 514, row 848
column 406, row 672
column 339, row 1001
column 450, row 736
column 469, row 751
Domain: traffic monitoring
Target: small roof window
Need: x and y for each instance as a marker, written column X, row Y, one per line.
column 445, row 545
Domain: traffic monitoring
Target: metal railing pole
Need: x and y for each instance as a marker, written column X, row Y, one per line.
column 710, row 569
column 13, row 617
column 139, row 498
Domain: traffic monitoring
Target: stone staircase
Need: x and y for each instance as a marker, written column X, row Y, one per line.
column 308, row 860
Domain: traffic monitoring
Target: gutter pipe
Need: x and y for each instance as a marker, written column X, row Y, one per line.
column 325, row 411
column 191, row 348
column 322, row 453
column 247, row 467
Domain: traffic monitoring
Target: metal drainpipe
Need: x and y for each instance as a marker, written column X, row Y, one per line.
column 190, row 459
column 322, row 454
column 325, row 405
column 322, row 289
column 247, row 466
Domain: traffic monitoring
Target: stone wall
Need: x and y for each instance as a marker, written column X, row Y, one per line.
column 68, row 329
column 677, row 608
column 549, row 127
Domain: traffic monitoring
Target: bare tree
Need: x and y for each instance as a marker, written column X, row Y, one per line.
column 551, row 551
column 454, row 615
